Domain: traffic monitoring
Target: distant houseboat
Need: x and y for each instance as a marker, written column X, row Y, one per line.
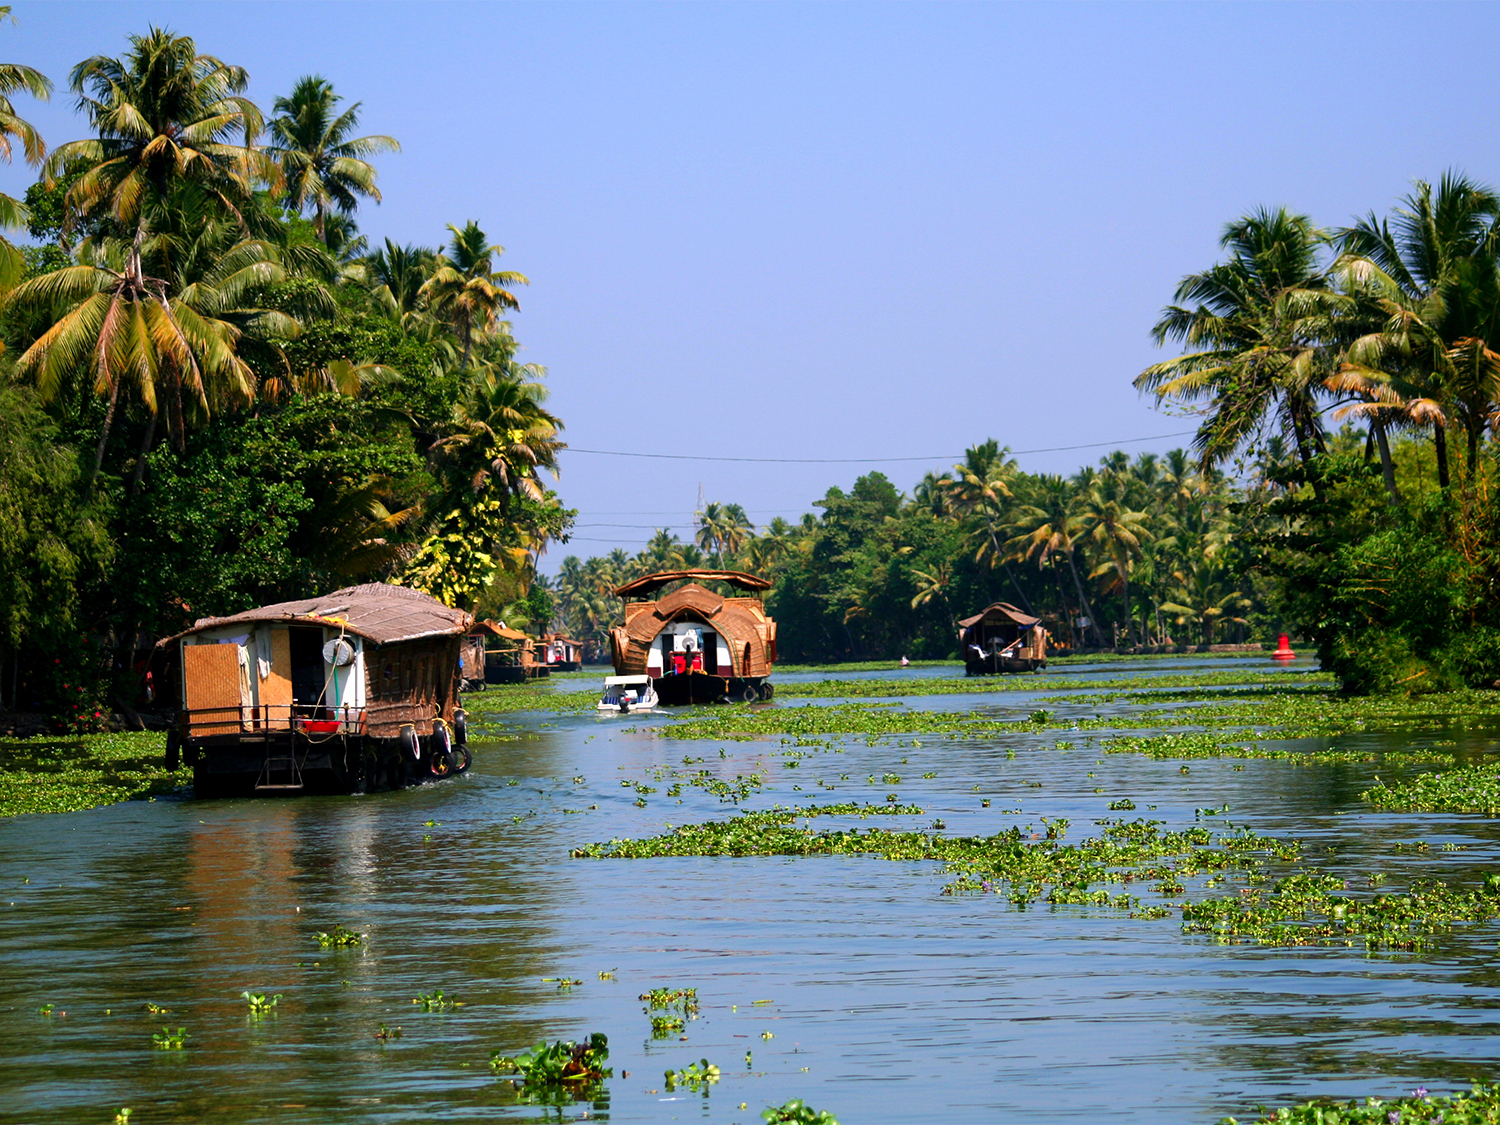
column 1002, row 639
column 509, row 655
column 697, row 646
column 559, row 653
column 353, row 691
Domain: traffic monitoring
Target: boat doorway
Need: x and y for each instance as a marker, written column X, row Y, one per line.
column 308, row 674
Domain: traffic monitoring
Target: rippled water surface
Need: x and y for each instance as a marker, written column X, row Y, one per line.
column 886, row 1001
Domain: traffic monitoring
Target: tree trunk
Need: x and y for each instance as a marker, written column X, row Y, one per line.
column 1305, row 455
column 109, row 417
column 140, row 461
column 1125, row 594
column 1440, row 446
column 1387, row 469
column 1473, row 461
column 995, row 545
column 1083, row 600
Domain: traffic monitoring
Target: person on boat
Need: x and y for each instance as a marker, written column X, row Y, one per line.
column 904, row 662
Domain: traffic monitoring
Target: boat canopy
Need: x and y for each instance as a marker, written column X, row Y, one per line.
column 1001, row 611
column 626, row 681
column 377, row 611
column 650, row 583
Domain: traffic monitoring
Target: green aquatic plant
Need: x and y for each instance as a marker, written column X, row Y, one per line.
column 1473, row 789
column 385, row 1033
column 1307, row 909
column 168, row 1040
column 684, row 1000
column 339, row 938
column 435, row 1001
column 797, row 1112
column 154, row 1009
column 1478, row 1106
column 695, row 1076
column 557, row 1073
column 259, row 1003
column 1124, row 804
column 51, row 774
column 665, row 1026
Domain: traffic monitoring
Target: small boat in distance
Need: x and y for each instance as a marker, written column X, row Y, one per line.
column 1002, row 639
column 624, row 694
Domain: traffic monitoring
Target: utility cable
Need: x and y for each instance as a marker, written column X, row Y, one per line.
column 864, row 460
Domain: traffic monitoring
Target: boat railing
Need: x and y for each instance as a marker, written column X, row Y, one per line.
column 314, row 720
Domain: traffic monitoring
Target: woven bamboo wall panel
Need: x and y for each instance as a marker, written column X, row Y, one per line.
column 211, row 681
column 276, row 689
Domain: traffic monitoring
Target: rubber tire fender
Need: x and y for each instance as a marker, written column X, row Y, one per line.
column 751, row 694
column 462, row 759
column 410, row 745
column 440, row 750
column 460, row 727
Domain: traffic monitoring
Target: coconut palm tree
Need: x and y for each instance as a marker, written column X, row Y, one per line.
column 1047, row 528
column 1430, row 271
column 502, row 434
column 466, row 291
column 1118, row 531
column 161, row 338
column 15, row 78
column 164, row 118
column 396, row 275
column 322, row 164
column 162, row 114
column 980, row 489
column 1258, row 327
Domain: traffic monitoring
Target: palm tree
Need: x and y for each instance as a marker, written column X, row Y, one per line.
column 980, row 487
column 322, row 163
column 1259, row 326
column 502, row 434
column 711, row 521
column 127, row 327
column 465, row 290
column 396, row 275
column 1423, row 270
column 1119, row 531
column 1047, row 528
column 163, row 114
column 15, row 78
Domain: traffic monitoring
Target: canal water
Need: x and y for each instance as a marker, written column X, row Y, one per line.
column 851, row 982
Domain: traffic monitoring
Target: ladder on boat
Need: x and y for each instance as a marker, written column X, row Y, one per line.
column 280, row 770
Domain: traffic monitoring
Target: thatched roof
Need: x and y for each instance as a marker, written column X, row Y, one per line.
column 376, row 611
column 652, row 582
column 742, row 622
column 1001, row 611
column 495, row 629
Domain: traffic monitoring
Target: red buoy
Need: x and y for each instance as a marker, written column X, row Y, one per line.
column 1283, row 649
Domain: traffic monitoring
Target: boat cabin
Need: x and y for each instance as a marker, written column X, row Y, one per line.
column 695, row 644
column 1002, row 639
column 560, row 653
column 355, row 690
column 509, row 654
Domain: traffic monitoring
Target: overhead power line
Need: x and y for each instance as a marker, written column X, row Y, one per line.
column 863, row 460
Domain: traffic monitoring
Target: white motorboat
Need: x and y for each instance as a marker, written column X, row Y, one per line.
column 624, row 694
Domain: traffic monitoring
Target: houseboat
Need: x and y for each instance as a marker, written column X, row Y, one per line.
column 560, row 653
column 698, row 646
column 509, row 654
column 1002, row 639
column 353, row 691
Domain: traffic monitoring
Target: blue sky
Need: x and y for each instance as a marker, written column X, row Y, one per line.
column 846, row 230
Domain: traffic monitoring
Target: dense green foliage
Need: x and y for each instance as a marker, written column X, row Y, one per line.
column 211, row 396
